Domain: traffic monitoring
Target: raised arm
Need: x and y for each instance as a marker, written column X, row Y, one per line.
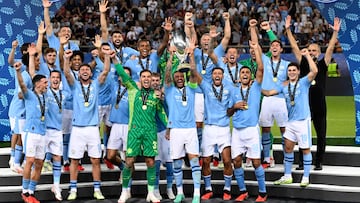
column 39, row 42
column 213, row 36
column 167, row 28
column 21, row 82
column 96, row 52
column 106, row 69
column 97, row 43
column 194, row 74
column 46, row 5
column 103, row 24
column 32, row 51
column 168, row 79
column 265, row 25
column 63, row 41
column 189, row 27
column 11, row 58
column 253, row 31
column 227, row 30
column 67, row 54
column 291, row 38
column 313, row 67
column 126, row 79
column 331, row 45
column 260, row 65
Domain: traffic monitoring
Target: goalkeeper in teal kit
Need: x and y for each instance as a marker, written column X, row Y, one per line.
column 144, row 104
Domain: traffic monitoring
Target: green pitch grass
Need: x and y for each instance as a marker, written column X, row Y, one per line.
column 340, row 117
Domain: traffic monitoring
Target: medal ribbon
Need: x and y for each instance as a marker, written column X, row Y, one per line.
column 218, row 95
column 144, row 96
column 275, row 72
column 230, row 73
column 58, row 101
column 204, row 64
column 147, row 63
column 42, row 104
column 120, row 54
column 86, row 96
column 292, row 94
column 246, row 96
column 183, row 94
column 119, row 96
column 73, row 72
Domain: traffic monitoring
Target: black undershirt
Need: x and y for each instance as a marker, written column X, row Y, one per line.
column 317, row 91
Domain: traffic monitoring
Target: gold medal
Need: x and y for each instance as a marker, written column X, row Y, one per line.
column 60, row 111
column 203, row 72
column 144, row 107
column 313, row 82
column 86, row 104
column 246, row 106
column 275, row 79
column 42, row 118
column 116, row 106
column 184, row 103
column 292, row 103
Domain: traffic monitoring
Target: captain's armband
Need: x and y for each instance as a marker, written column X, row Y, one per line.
column 193, row 85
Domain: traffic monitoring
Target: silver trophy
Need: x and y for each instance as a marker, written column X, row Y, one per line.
column 180, row 41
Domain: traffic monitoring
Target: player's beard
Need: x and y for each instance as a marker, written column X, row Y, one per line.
column 182, row 84
column 118, row 46
column 85, row 80
column 217, row 81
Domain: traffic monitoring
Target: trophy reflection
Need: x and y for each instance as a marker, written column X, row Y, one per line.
column 180, row 41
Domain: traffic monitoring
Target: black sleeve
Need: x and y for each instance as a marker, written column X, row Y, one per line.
column 304, row 67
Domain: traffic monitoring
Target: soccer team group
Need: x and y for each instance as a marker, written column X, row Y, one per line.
column 162, row 104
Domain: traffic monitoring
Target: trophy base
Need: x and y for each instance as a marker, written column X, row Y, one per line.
column 184, row 67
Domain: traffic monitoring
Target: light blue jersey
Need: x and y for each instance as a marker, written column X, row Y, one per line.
column 300, row 110
column 150, row 63
column 231, row 74
column 203, row 60
column 54, row 42
column 85, row 115
column 119, row 115
column 46, row 70
column 34, row 122
column 215, row 110
column 268, row 78
column 17, row 106
column 54, row 116
column 249, row 117
column 106, row 88
column 100, row 67
column 66, row 87
column 180, row 115
column 124, row 53
column 105, row 91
